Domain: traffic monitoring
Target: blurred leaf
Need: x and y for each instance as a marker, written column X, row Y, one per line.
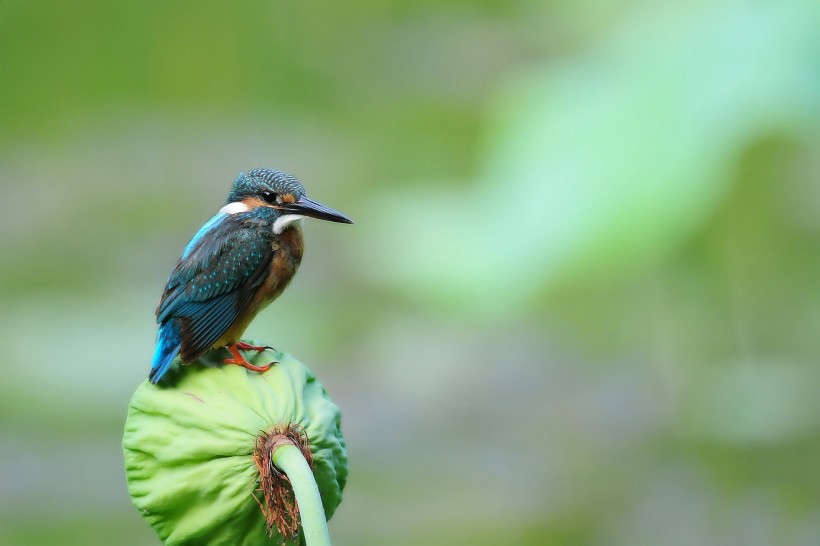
column 601, row 165
column 756, row 403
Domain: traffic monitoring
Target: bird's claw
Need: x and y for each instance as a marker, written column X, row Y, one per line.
column 242, row 346
column 239, row 360
column 247, row 365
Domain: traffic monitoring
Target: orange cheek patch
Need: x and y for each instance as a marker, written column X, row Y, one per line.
column 288, row 198
column 253, row 202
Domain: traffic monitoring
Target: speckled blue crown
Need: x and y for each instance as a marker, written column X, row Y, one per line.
column 257, row 181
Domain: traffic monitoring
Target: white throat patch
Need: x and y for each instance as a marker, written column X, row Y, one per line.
column 284, row 221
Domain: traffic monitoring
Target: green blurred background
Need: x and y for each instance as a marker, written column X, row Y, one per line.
column 580, row 302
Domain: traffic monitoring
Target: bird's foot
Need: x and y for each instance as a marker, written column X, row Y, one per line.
column 239, row 360
column 242, row 346
column 245, row 364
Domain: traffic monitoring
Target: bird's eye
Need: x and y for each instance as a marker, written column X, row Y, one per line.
column 270, row 197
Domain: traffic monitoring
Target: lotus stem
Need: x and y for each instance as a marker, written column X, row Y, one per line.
column 289, row 459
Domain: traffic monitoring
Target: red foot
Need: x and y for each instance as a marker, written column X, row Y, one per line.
column 242, row 346
column 239, row 360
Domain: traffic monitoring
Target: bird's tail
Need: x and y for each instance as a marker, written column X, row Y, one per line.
column 168, row 345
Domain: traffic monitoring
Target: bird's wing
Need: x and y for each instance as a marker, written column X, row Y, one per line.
column 214, row 281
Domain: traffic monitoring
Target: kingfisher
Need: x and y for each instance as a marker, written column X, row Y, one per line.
column 234, row 266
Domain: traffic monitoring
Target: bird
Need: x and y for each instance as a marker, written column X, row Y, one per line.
column 236, row 264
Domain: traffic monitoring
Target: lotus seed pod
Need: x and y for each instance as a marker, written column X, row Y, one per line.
column 192, row 449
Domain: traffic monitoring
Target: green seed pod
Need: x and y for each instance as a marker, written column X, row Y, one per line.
column 198, row 450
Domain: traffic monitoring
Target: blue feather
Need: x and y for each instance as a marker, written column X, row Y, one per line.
column 168, row 345
column 208, row 226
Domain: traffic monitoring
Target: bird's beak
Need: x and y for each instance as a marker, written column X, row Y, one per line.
column 308, row 207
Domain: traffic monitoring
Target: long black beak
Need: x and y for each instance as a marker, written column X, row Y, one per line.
column 308, row 207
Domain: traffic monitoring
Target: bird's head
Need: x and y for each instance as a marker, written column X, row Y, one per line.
column 279, row 191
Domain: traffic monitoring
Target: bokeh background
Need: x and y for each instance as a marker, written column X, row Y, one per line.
column 580, row 302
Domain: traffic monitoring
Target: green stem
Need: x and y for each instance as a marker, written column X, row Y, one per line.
column 288, row 459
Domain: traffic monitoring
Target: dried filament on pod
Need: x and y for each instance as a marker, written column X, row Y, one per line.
column 275, row 494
